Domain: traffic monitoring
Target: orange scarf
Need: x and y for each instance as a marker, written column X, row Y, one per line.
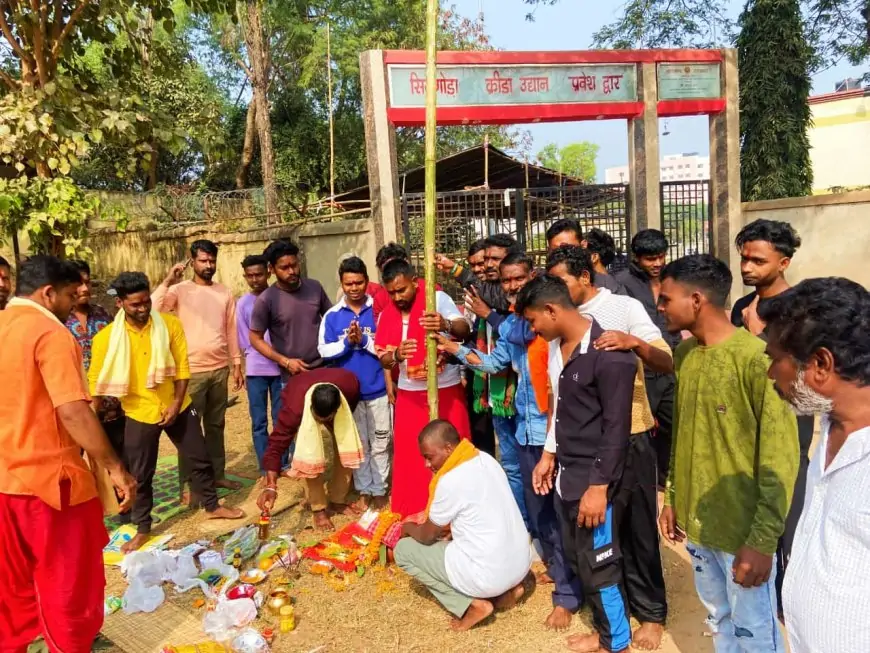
column 463, row 452
column 538, row 352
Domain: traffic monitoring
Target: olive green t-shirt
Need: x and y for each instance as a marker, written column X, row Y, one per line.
column 734, row 456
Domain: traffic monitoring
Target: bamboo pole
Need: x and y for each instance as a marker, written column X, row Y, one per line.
column 429, row 229
column 490, row 230
column 331, row 118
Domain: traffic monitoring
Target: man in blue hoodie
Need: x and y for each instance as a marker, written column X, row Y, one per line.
column 529, row 361
column 347, row 340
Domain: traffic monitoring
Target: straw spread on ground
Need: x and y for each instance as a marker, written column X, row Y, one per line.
column 385, row 611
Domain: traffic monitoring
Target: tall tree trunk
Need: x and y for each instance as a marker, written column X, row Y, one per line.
column 151, row 181
column 258, row 57
column 248, row 147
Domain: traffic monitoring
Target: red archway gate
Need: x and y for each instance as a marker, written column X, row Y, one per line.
column 638, row 86
column 529, row 87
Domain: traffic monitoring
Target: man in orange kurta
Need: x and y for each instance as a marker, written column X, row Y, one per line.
column 51, row 519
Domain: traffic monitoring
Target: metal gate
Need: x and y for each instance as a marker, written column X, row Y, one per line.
column 464, row 216
column 687, row 217
column 602, row 206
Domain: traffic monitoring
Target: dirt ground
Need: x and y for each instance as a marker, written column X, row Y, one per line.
column 387, row 612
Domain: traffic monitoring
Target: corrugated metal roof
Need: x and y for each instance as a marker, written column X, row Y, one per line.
column 465, row 170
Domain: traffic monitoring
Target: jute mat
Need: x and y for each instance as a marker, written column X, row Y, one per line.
column 165, row 487
column 150, row 632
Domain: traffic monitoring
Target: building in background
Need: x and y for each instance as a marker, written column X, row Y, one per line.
column 690, row 166
column 840, row 138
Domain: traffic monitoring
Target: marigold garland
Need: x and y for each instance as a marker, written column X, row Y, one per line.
column 369, row 554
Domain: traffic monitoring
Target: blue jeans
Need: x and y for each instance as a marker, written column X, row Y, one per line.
column 509, row 456
column 260, row 389
column 544, row 527
column 741, row 620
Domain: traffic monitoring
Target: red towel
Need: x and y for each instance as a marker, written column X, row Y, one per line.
column 389, row 333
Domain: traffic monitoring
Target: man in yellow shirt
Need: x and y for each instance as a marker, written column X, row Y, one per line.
column 147, row 369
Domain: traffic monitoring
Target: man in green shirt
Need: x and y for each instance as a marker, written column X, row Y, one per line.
column 733, row 462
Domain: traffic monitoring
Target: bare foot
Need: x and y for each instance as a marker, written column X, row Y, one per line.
column 559, row 619
column 286, row 473
column 136, row 543
column 343, row 509
column 227, row 484
column 477, row 612
column 322, row 522
column 509, row 599
column 583, row 643
column 190, row 500
column 361, row 504
column 222, row 512
column 380, row 503
column 648, row 637
column 544, row 578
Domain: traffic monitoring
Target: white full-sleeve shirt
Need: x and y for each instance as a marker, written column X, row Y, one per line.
column 825, row 593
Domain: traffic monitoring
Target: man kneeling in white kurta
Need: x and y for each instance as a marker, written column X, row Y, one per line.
column 481, row 566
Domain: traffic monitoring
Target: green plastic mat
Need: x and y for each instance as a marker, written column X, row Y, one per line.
column 166, row 500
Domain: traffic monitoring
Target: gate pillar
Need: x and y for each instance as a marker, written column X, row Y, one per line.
column 644, row 190
column 381, row 158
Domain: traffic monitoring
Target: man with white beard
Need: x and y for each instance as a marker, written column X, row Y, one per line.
column 817, row 340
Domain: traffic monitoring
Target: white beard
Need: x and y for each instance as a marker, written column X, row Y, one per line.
column 806, row 401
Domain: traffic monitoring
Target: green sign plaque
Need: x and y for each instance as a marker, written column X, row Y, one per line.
column 475, row 85
column 689, row 81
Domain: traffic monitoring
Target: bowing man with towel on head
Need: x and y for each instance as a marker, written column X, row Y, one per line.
column 317, row 411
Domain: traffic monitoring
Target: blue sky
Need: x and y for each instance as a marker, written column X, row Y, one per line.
column 569, row 25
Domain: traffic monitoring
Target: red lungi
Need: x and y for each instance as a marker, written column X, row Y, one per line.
column 51, row 573
column 410, row 475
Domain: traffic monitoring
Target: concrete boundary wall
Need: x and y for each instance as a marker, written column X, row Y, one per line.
column 835, row 230
column 154, row 251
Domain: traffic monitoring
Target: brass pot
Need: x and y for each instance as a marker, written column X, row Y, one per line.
column 277, row 599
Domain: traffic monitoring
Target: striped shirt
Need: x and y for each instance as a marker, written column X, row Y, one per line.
column 626, row 314
column 825, row 589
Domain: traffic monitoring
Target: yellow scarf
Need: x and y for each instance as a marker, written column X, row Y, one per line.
column 463, row 452
column 113, row 379
column 309, row 459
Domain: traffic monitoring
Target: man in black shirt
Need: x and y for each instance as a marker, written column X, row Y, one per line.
column 567, row 233
column 482, row 433
column 602, row 249
column 590, row 424
column 642, row 280
column 766, row 248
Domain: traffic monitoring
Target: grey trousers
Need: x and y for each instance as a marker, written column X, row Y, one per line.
column 208, row 394
column 426, row 564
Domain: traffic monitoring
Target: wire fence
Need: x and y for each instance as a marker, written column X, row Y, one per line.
column 236, row 210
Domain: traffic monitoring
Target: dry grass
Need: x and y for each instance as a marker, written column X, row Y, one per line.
column 386, row 612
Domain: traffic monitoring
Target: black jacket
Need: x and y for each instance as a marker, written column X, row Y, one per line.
column 636, row 284
column 593, row 416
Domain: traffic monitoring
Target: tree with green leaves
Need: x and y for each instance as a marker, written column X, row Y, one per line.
column 775, row 85
column 575, row 160
column 299, row 96
column 52, row 114
column 835, row 30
